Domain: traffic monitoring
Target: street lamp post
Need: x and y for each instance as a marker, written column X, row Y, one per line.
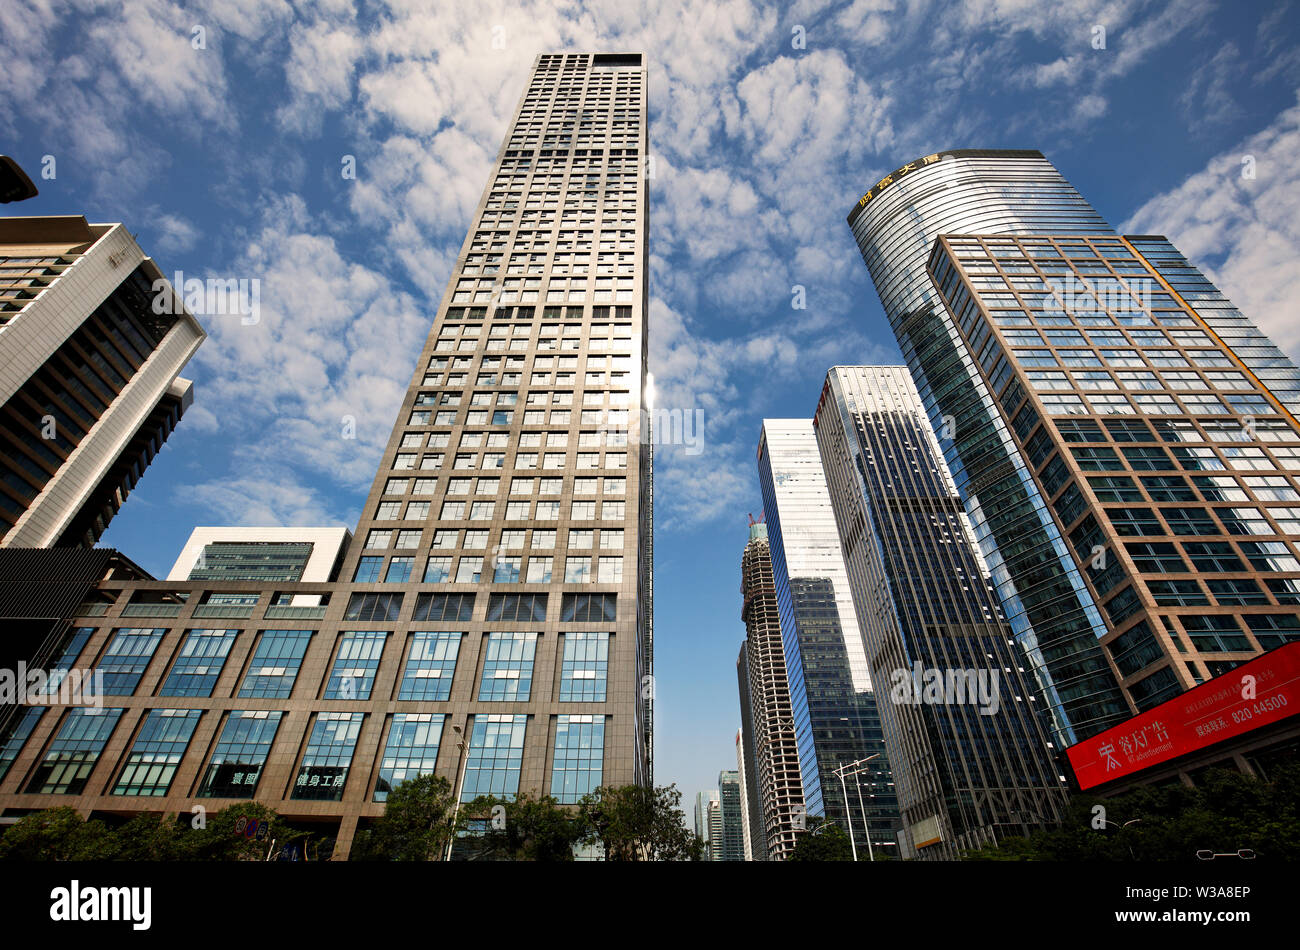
column 857, row 767
column 460, row 780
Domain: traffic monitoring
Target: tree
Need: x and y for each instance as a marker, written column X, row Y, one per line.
column 525, row 829
column 416, row 824
column 1225, row 813
column 60, row 834
column 636, row 823
column 823, row 841
column 57, row 834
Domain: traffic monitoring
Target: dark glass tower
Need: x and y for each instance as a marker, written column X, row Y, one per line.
column 968, row 747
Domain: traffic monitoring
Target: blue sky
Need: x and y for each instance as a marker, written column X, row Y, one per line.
column 225, row 162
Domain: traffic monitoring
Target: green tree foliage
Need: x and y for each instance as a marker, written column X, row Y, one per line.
column 60, row 834
column 823, row 841
column 635, row 823
column 1225, row 813
column 526, row 829
column 416, row 824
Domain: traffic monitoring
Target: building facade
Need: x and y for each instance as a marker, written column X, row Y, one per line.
column 499, row 585
column 731, row 845
column 968, row 749
column 89, row 376
column 750, row 809
column 766, row 692
column 1169, row 467
column 833, row 705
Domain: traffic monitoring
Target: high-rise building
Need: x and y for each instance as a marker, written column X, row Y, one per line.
column 968, row 748
column 89, row 384
column 708, row 822
column 1170, row 468
column 749, row 815
column 833, row 705
column 731, row 845
column 491, row 623
column 765, row 693
column 1086, row 388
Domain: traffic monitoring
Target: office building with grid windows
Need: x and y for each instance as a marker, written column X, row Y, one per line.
column 499, row 584
column 1170, row 468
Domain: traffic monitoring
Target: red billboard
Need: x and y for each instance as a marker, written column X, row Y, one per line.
column 1258, row 693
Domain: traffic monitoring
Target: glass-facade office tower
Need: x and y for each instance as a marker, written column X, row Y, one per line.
column 731, row 846
column 89, row 384
column 968, row 749
column 765, row 697
column 1049, row 604
column 834, row 708
column 499, row 578
column 1170, row 468
column 1044, row 596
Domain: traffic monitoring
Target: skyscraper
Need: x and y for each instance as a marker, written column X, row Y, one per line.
column 499, row 585
column 750, row 815
column 766, row 690
column 970, row 359
column 833, row 706
column 1170, row 468
column 89, row 384
column 968, row 749
column 731, row 844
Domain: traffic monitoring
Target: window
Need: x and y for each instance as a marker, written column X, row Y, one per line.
column 411, row 751
column 1215, row 633
column 72, row 755
column 440, row 607
column 496, row 750
column 151, row 765
column 399, row 570
column 508, row 667
column 274, row 667
column 1177, row 593
column 368, row 568
column 20, row 727
column 507, row 570
column 581, row 538
column 237, row 760
column 611, row 539
column 430, row 666
column 482, row 510
column 588, row 608
column 539, row 570
column 437, row 570
column 324, row 768
column 353, row 675
column 612, row 510
column 469, row 570
column 517, row 607
column 373, row 607
column 610, row 570
column 583, row 511
column 379, row 539
column 577, row 570
column 579, row 756
column 548, row 511
column 200, row 662
column 126, row 658
column 585, row 666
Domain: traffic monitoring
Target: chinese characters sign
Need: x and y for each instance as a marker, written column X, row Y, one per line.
column 1264, row 691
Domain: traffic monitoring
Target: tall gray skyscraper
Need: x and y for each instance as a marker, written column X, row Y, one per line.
column 833, row 706
column 968, row 749
column 491, row 622
column 89, row 384
column 731, row 845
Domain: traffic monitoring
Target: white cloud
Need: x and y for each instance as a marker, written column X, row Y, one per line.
column 1244, row 233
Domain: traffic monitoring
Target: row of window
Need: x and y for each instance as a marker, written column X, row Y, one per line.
column 508, row 569
column 493, row 757
column 273, row 667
